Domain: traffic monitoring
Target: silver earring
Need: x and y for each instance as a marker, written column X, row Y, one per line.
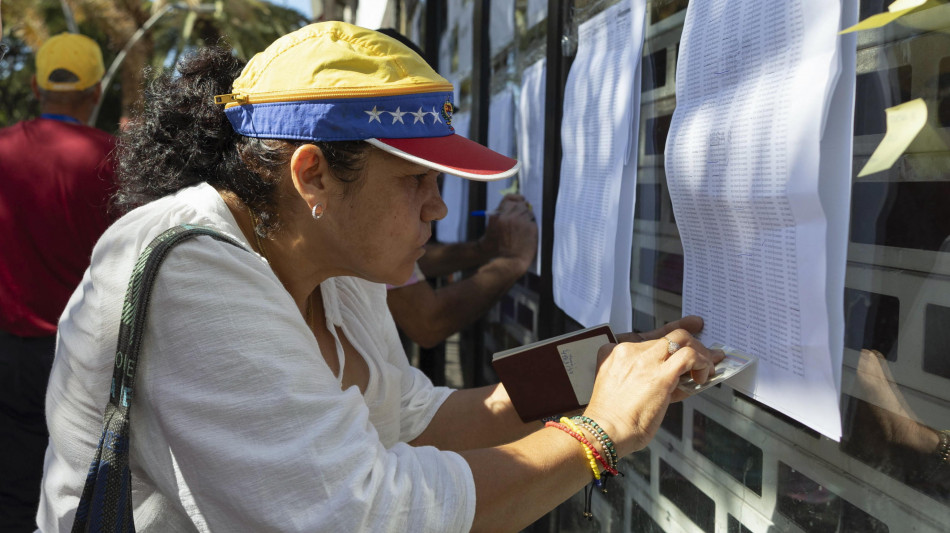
column 317, row 212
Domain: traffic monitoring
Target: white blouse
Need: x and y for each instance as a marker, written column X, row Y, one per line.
column 238, row 424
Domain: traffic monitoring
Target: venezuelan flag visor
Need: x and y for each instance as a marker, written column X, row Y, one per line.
column 333, row 81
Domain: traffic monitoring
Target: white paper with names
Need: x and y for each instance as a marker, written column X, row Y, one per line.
column 592, row 237
column 454, row 226
column 753, row 83
column 580, row 366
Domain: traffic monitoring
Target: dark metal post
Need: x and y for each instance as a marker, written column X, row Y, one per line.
column 550, row 317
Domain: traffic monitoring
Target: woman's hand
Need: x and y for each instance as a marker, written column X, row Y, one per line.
column 636, row 381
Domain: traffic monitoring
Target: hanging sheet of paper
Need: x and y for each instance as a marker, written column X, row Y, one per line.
column 454, row 226
column 501, row 137
column 502, row 24
column 536, row 11
column 743, row 162
column 530, row 132
column 595, row 132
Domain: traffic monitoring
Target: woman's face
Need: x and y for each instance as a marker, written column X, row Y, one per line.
column 383, row 222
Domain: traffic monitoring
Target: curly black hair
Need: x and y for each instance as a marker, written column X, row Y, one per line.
column 183, row 138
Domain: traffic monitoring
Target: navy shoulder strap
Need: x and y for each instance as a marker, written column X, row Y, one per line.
column 106, row 502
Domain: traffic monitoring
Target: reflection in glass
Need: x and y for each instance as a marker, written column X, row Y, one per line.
column 872, row 7
column 647, row 205
column 657, row 129
column 937, row 340
column 638, row 463
column 661, row 9
column 882, row 431
column 818, row 510
column 905, row 214
column 673, row 421
column 654, row 71
column 943, row 93
column 694, row 503
column 571, row 517
column 641, row 521
column 738, row 457
column 734, row 526
column 662, row 270
column 871, row 320
column 876, row 91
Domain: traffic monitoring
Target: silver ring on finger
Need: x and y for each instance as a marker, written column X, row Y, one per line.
column 671, row 346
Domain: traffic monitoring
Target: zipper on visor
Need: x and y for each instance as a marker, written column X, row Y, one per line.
column 290, row 96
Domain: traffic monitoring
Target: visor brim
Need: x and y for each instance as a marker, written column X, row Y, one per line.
column 452, row 154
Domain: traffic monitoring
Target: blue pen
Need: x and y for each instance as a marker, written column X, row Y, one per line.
column 479, row 213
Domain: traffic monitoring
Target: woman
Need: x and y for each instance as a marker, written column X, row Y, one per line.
column 273, row 393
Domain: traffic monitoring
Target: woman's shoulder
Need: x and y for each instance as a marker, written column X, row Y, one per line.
column 199, row 205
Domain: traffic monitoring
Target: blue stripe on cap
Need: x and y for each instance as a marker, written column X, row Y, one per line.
column 346, row 119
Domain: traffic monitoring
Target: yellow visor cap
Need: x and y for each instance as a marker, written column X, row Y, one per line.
column 334, row 60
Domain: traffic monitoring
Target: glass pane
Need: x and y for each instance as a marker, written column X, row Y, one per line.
column 737, row 456
column 694, row 503
column 816, row 509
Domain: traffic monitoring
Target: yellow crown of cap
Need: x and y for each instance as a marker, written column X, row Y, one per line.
column 73, row 52
column 334, row 60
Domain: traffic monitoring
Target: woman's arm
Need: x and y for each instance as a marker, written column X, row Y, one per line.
column 484, row 416
column 517, row 479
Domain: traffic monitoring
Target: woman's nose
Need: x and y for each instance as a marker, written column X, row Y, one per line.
column 434, row 208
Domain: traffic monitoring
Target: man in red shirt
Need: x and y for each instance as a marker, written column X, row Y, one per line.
column 56, row 176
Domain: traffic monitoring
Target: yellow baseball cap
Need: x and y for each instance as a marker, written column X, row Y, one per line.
column 333, row 81
column 77, row 54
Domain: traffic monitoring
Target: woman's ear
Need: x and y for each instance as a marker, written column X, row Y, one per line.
column 310, row 174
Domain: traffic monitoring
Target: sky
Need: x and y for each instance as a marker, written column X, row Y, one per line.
column 304, row 6
column 369, row 15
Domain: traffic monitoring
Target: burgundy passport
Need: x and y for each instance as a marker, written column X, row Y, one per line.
column 552, row 376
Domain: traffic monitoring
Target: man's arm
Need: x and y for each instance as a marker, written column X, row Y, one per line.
column 429, row 316
column 445, row 259
column 512, row 231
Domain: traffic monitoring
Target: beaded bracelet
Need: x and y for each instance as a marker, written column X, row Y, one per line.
column 591, row 452
column 586, row 445
column 583, row 440
column 943, row 449
column 607, row 442
column 590, row 447
column 609, row 457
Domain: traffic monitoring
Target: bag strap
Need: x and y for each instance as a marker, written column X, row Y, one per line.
column 106, row 501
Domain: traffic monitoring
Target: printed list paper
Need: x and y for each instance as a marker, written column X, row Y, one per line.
column 454, row 226
column 742, row 164
column 595, row 135
column 501, row 138
column 530, row 131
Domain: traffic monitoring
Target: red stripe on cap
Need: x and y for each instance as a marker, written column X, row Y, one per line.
column 455, row 152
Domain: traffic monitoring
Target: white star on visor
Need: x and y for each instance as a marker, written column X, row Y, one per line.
column 374, row 114
column 397, row 115
column 420, row 116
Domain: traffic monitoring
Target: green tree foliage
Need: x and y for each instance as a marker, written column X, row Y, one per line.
column 246, row 25
column 16, row 98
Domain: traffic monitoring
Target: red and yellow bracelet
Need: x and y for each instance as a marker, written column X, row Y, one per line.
column 587, row 446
